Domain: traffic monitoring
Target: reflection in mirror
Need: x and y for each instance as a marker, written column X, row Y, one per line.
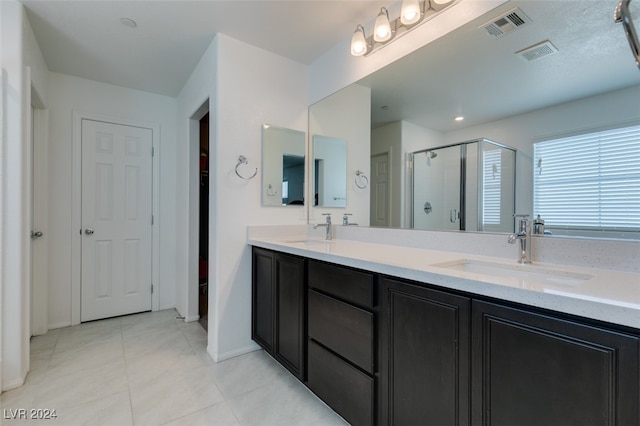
column 282, row 166
column 329, row 171
column 468, row 186
column 542, row 80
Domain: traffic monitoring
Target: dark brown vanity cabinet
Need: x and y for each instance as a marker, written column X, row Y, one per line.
column 424, row 355
column 341, row 330
column 278, row 307
column 456, row 360
column 532, row 368
column 388, row 351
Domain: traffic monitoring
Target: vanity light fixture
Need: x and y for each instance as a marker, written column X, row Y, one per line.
column 412, row 14
column 359, row 44
column 382, row 28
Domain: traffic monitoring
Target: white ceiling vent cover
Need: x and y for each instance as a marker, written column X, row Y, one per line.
column 506, row 23
column 537, row 51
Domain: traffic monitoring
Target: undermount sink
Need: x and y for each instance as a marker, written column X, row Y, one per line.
column 525, row 272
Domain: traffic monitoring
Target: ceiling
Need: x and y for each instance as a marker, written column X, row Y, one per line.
column 469, row 73
column 85, row 38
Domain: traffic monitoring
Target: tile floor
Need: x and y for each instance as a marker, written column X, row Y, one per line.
column 152, row 369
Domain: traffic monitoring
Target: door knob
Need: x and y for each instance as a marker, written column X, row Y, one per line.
column 88, row 231
column 36, row 234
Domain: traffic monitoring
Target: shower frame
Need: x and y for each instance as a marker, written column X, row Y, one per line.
column 463, row 175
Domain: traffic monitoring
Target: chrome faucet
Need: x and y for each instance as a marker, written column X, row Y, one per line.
column 327, row 224
column 345, row 220
column 524, row 235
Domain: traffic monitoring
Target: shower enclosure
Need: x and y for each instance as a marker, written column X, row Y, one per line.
column 466, row 186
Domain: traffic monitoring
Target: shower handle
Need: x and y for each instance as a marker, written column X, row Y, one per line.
column 453, row 215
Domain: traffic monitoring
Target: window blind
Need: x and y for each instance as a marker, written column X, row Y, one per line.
column 491, row 190
column 589, row 181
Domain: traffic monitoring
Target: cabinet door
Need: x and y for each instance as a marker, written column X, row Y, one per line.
column 290, row 313
column 533, row 369
column 262, row 298
column 424, row 356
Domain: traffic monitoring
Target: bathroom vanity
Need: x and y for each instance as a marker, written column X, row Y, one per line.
column 383, row 342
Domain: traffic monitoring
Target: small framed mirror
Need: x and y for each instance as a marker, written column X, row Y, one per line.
column 329, row 171
column 283, row 165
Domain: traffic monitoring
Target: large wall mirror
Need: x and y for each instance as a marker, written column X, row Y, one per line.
column 564, row 69
column 283, row 165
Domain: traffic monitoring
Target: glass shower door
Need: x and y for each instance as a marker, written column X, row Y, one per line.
column 436, row 189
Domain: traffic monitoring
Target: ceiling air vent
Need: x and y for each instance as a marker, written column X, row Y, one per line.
column 537, row 51
column 506, row 23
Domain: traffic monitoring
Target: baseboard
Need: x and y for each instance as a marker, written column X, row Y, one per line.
column 192, row 318
column 165, row 307
column 59, row 325
column 231, row 354
column 13, row 384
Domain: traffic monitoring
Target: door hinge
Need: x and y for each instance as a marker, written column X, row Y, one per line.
column 151, row 288
column 152, row 219
column 153, row 151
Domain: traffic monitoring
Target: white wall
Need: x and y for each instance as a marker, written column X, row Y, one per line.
column 14, row 263
column 66, row 95
column 347, row 115
column 247, row 87
column 35, row 61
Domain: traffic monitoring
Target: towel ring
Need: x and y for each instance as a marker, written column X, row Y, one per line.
column 361, row 180
column 243, row 160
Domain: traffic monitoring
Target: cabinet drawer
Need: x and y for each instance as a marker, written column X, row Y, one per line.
column 346, row 284
column 343, row 328
column 344, row 388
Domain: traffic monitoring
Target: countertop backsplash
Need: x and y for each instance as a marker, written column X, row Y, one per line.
column 619, row 255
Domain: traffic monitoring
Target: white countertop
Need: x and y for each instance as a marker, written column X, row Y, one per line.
column 605, row 295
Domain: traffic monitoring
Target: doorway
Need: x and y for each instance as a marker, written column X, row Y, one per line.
column 39, row 218
column 203, row 233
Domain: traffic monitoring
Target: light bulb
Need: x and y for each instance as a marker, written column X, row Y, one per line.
column 382, row 27
column 410, row 13
column 358, row 42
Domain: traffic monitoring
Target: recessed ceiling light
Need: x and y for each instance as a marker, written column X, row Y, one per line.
column 128, row 22
column 458, row 118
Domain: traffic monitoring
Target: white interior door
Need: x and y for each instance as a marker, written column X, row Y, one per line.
column 380, row 204
column 116, row 220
